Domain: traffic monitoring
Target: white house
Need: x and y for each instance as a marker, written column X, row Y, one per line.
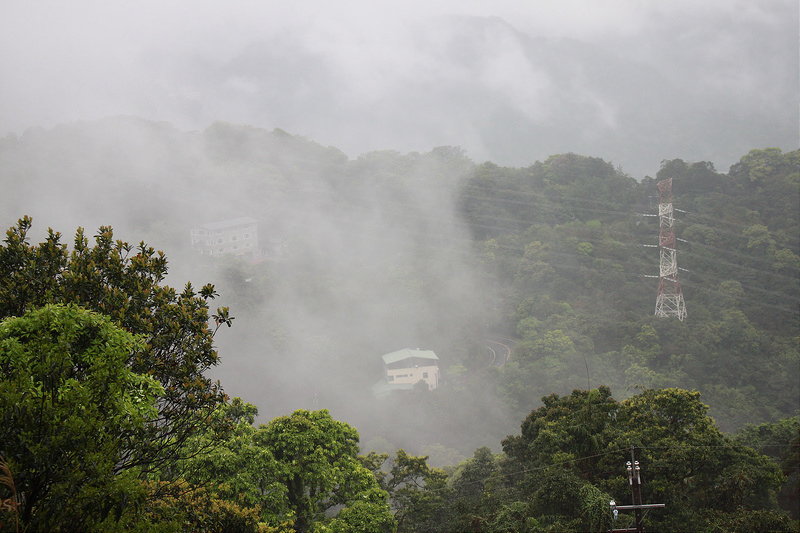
column 405, row 368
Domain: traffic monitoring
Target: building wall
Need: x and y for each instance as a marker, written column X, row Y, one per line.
column 238, row 237
column 413, row 375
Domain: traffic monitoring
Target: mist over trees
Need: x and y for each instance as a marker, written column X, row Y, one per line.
column 424, row 250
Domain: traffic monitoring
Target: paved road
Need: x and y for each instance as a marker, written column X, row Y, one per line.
column 499, row 350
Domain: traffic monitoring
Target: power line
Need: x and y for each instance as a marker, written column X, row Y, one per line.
column 444, row 243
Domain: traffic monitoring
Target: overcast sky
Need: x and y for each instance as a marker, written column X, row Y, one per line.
column 413, row 74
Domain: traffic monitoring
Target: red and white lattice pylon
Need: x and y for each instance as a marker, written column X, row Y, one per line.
column 670, row 296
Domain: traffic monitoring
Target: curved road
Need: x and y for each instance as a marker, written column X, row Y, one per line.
column 499, row 350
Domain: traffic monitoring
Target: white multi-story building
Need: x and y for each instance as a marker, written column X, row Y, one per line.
column 238, row 236
column 405, row 368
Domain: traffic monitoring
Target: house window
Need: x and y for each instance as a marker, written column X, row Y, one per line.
column 424, row 375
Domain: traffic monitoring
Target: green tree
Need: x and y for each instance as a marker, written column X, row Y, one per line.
column 586, row 438
column 781, row 442
column 759, row 240
column 317, row 464
column 568, row 502
column 125, row 283
column 534, row 267
column 70, row 408
column 181, row 507
column 691, row 466
column 515, row 517
column 565, row 428
column 761, row 164
column 237, row 469
column 292, row 470
column 369, row 514
column 417, row 493
column 474, row 503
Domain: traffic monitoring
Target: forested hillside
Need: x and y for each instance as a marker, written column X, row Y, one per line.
column 369, row 255
column 565, row 239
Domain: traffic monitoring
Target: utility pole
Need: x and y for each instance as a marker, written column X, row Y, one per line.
column 635, row 480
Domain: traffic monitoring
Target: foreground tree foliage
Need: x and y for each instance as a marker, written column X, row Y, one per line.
column 238, row 468
column 146, row 330
column 569, row 461
column 182, row 507
column 114, row 278
column 293, row 472
column 570, row 457
column 781, row 442
column 70, row 408
column 417, row 493
column 317, row 465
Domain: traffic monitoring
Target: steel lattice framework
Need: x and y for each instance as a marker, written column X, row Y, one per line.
column 670, row 296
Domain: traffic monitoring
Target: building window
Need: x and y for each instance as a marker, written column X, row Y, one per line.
column 219, row 241
column 246, row 235
column 424, row 375
column 390, row 378
column 233, row 237
column 221, row 250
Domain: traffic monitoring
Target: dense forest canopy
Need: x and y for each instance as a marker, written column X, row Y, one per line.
column 387, row 251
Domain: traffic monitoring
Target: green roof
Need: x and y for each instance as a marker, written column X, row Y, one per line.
column 408, row 353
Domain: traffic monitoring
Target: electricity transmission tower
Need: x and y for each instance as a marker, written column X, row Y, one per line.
column 670, row 296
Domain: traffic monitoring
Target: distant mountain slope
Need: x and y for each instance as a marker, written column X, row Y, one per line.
column 702, row 82
column 430, row 250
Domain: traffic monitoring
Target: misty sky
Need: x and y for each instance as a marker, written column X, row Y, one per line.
column 511, row 81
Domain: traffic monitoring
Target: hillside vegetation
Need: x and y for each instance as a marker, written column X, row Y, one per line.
column 388, row 251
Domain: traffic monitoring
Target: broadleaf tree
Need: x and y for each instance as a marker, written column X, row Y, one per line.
column 317, row 463
column 296, row 469
column 417, row 493
column 125, row 283
column 69, row 406
column 584, row 439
